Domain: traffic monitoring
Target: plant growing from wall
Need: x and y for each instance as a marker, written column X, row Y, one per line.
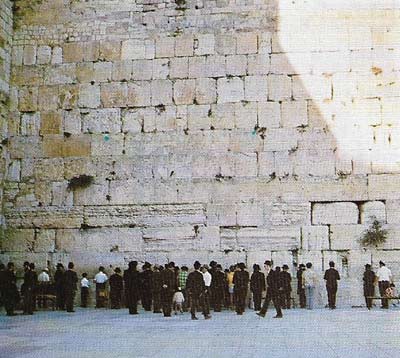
column 374, row 236
column 80, row 182
column 23, row 9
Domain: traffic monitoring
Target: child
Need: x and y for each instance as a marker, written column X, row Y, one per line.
column 84, row 290
column 178, row 300
column 391, row 293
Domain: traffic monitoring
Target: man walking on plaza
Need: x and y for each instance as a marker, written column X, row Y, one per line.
column 331, row 278
column 384, row 277
column 273, row 292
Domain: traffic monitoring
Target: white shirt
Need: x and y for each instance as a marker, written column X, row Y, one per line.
column 101, row 277
column 44, row 277
column 384, row 274
column 178, row 297
column 85, row 282
column 207, row 278
column 309, row 277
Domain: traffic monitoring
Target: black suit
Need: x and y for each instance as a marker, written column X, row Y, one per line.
column 116, row 287
column 146, row 278
column 257, row 286
column 10, row 292
column 369, row 287
column 132, row 289
column 195, row 286
column 169, row 280
column 60, row 289
column 29, row 287
column 218, row 289
column 241, row 282
column 286, row 279
column 273, row 291
column 70, row 281
column 331, row 276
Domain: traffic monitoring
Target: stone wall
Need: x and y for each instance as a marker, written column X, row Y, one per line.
column 6, row 31
column 230, row 130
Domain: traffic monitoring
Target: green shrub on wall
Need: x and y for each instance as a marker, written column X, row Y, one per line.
column 374, row 236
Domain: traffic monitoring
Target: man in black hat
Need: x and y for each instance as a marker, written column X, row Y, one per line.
column 156, row 286
column 273, row 291
column 195, row 288
column 132, row 287
column 241, row 282
column 146, row 285
column 59, row 284
column 10, row 291
column 257, row 286
column 301, row 291
column 331, row 278
column 286, row 279
column 168, row 288
column 218, row 284
column 116, row 287
column 30, row 284
column 70, row 285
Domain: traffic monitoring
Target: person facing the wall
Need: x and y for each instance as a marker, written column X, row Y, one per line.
column 384, row 278
column 309, row 283
column 70, row 281
column 331, row 278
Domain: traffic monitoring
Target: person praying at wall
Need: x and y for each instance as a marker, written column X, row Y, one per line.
column 116, row 288
column 100, row 279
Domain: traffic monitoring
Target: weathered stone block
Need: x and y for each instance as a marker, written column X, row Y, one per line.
column 184, row 45
column 184, row 91
column 221, row 214
column 198, row 117
column 80, row 51
column 246, row 42
column 29, row 55
column 160, row 69
column 72, row 122
column 28, row 99
column 294, row 114
column 258, row 64
column 30, row 123
column 45, row 241
column 61, row 74
column 230, row 90
column 250, row 214
column 133, row 50
column 215, row 66
column 48, row 98
column 61, row 195
column 335, row 213
column 206, row 90
column 255, row 88
column 50, row 123
column 89, row 96
column 269, row 114
column 314, row 237
column 19, row 240
column 346, row 237
column 68, row 96
column 383, row 186
column 57, row 55
column 179, row 67
column 113, row 94
column 142, row 70
column 197, row 67
column 139, row 94
column 110, row 50
column 278, row 139
column 161, row 92
column 236, row 65
column 279, row 87
column 133, row 120
column 245, row 115
column 121, row 70
column 204, row 44
column 165, row 47
column 225, row 44
column 106, row 120
column 103, row 145
column 372, row 210
column 95, row 194
column 43, row 55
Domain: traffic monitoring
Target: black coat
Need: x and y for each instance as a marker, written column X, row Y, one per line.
column 70, row 280
column 274, row 281
column 168, row 278
column 218, row 281
column 156, row 282
column 241, row 280
column 286, row 280
column 195, row 283
column 132, row 282
column 369, row 283
column 116, row 282
column 257, row 281
column 331, row 276
column 146, row 280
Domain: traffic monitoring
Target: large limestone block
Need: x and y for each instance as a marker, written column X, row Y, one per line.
column 314, row 162
column 315, row 257
column 89, row 96
column 107, row 120
column 230, row 90
column 198, row 117
column 161, row 92
column 160, row 69
column 258, row 64
column 335, row 213
column 71, row 122
column 184, row 45
column 197, row 67
column 223, row 115
column 246, row 115
column 19, row 240
column 257, row 257
column 225, row 44
column 372, row 210
column 279, row 87
column 346, row 237
column 68, row 96
column 215, row 66
column 204, row 45
column 49, row 218
column 29, row 55
column 221, row 214
column 142, row 70
column 28, row 99
column 206, row 90
column 256, row 88
column 61, row 195
column 269, row 114
column 110, row 50
column 25, row 147
column 43, row 55
column 49, row 169
column 113, row 94
column 169, row 239
column 266, row 164
column 139, row 94
column 278, row 139
column 318, row 87
column 61, row 74
column 393, row 211
column 245, row 165
column 30, row 124
column 45, row 241
column 315, row 237
column 80, row 51
column 280, row 258
column 133, row 50
column 48, row 99
column 290, row 213
column 249, row 214
column 142, row 216
column 208, row 238
column 165, row 47
column 121, row 70
column 103, row 145
column 92, row 195
column 179, row 67
column 236, row 65
column 383, row 186
column 246, row 43
column 184, row 91
column 294, row 114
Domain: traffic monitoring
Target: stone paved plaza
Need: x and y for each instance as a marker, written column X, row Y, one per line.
column 350, row 332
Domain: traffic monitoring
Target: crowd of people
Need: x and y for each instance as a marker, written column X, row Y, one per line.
column 168, row 288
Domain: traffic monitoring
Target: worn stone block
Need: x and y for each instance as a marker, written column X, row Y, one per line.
column 110, row 50
column 56, row 55
column 204, row 44
column 255, row 88
column 68, row 96
column 246, row 42
column 61, row 195
column 121, row 70
column 179, row 67
column 50, row 123
column 335, row 213
column 294, row 114
column 225, row 44
column 89, row 96
column 142, row 70
column 45, row 241
column 29, row 55
column 383, row 186
column 138, row 94
column 107, row 120
column 43, row 55
column 249, row 214
column 28, row 99
column 133, row 50
column 61, row 74
column 198, row 117
column 95, row 194
column 184, row 91
column 161, row 92
column 30, row 123
column 160, row 69
column 80, row 51
column 18, row 240
column 184, row 45
column 165, row 47
column 197, row 67
column 236, row 65
column 279, row 87
column 112, row 94
column 72, row 122
column 258, row 64
column 230, row 90
column 346, row 237
column 215, row 66
column 317, row 87
column 221, row 214
column 48, row 98
column 206, row 90
column 372, row 210
column 314, row 237
column 269, row 114
column 103, row 145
